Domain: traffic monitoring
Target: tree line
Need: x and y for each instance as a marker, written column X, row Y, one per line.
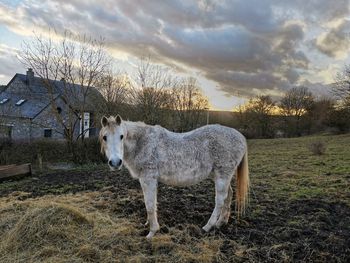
column 155, row 95
column 297, row 113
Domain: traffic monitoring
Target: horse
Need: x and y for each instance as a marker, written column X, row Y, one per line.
column 154, row 154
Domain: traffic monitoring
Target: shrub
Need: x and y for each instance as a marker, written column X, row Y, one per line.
column 88, row 151
column 317, row 148
column 16, row 152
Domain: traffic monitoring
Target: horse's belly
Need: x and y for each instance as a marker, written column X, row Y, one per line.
column 184, row 177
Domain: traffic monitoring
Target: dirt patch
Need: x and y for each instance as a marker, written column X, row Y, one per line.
column 61, row 182
column 274, row 229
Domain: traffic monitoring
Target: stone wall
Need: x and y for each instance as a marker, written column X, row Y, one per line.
column 46, row 119
column 20, row 128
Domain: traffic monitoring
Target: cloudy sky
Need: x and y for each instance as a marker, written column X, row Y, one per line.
column 236, row 48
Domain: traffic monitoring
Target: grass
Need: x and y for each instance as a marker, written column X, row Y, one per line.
column 294, row 172
column 299, row 211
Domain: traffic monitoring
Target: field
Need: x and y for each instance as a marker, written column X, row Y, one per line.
column 299, row 212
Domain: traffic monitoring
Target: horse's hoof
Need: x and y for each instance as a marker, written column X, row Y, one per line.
column 219, row 224
column 150, row 235
column 206, row 228
column 222, row 222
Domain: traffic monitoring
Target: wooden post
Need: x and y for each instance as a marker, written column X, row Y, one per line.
column 40, row 162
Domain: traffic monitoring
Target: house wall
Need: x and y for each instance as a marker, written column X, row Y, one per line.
column 20, row 128
column 26, row 129
column 46, row 119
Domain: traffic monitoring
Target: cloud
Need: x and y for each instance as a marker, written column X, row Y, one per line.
column 9, row 62
column 319, row 89
column 246, row 47
column 336, row 42
column 313, row 11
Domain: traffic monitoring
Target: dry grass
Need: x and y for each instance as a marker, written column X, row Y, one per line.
column 70, row 228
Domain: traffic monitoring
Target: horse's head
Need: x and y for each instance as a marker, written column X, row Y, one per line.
column 112, row 140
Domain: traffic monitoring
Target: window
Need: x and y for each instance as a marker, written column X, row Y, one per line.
column 48, row 133
column 3, row 101
column 6, row 131
column 20, row 102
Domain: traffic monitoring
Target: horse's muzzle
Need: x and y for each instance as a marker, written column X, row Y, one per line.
column 115, row 164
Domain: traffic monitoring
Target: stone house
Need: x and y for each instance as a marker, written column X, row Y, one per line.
column 26, row 108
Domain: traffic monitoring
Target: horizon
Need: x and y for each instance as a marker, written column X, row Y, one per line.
column 236, row 49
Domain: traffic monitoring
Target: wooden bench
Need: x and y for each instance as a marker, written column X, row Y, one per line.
column 15, row 171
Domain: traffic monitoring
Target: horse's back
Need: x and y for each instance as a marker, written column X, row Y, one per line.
column 187, row 158
column 217, row 139
column 227, row 145
column 218, row 135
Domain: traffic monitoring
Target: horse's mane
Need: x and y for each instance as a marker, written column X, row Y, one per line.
column 134, row 129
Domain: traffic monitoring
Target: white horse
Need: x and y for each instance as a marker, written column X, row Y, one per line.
column 153, row 154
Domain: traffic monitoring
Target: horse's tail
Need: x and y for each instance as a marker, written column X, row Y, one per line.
column 242, row 185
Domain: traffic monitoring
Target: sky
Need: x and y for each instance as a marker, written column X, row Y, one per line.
column 237, row 49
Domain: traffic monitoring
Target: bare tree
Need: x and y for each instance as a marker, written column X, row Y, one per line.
column 261, row 105
column 295, row 103
column 188, row 104
column 70, row 66
column 341, row 87
column 258, row 117
column 150, row 94
column 318, row 116
column 116, row 88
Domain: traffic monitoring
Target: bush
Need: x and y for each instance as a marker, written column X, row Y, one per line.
column 88, row 151
column 317, row 148
column 17, row 152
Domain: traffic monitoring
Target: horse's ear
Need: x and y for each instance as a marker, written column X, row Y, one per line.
column 118, row 119
column 104, row 121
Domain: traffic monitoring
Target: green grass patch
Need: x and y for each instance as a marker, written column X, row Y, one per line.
column 288, row 169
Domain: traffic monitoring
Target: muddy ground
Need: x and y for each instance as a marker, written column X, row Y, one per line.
column 274, row 229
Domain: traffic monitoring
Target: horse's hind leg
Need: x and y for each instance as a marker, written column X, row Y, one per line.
column 221, row 193
column 226, row 210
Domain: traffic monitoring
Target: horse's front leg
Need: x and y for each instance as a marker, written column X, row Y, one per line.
column 149, row 188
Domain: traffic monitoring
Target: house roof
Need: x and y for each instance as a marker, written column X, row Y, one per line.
column 36, row 97
column 33, row 104
column 38, row 85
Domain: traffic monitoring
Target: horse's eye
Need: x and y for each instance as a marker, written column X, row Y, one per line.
column 104, row 138
column 121, row 137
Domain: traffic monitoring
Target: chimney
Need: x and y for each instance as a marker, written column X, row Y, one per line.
column 30, row 77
